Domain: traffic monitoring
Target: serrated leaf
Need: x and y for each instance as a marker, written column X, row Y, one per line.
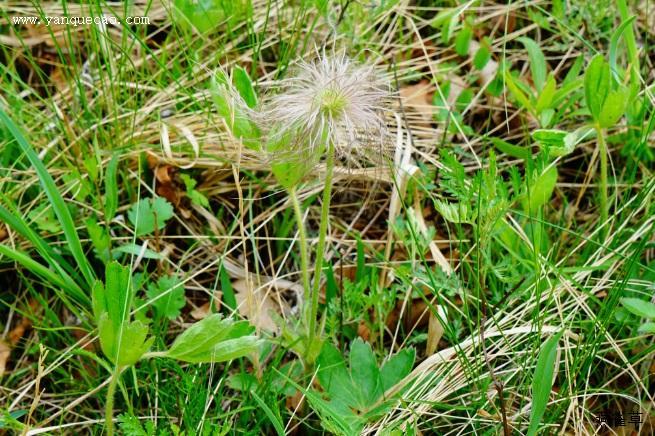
column 537, row 62
column 333, row 375
column 596, row 85
column 642, row 308
column 195, row 196
column 114, row 296
column 121, row 341
column 335, row 416
column 149, row 214
column 100, row 239
column 214, row 339
column 364, row 371
column 167, row 297
column 542, row 382
column 458, row 213
column 397, row 367
column 123, row 346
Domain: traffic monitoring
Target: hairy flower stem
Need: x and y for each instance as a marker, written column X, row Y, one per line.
column 602, row 150
column 109, row 404
column 304, row 257
column 322, row 234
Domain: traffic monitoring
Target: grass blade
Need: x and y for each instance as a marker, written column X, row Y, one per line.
column 277, row 424
column 45, row 273
column 56, row 200
column 542, row 382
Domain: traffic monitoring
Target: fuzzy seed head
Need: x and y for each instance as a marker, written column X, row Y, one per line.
column 332, row 99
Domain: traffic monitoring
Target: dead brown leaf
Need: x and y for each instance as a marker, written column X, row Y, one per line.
column 23, row 325
column 257, row 305
column 205, row 310
column 5, row 351
column 418, row 98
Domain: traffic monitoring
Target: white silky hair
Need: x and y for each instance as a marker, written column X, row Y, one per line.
column 332, row 98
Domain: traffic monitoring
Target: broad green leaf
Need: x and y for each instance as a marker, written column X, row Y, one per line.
column 333, row 375
column 542, row 382
column 126, row 345
column 648, row 327
column 167, row 297
column 288, row 166
column 111, row 189
column 364, row 371
column 244, row 86
column 546, row 117
column 397, row 367
column 597, row 85
column 225, row 100
column 537, row 62
column 229, row 296
column 114, row 296
column 559, row 142
column 149, row 214
column 516, row 91
column 462, row 41
column 511, row 149
column 642, row 308
column 204, row 15
column 446, row 21
column 335, row 416
column 547, row 94
column 214, row 339
column 481, row 57
column 44, row 218
column 55, row 199
column 614, row 107
column 136, row 250
column 541, row 190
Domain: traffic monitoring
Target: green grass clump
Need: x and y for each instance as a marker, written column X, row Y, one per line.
column 196, row 239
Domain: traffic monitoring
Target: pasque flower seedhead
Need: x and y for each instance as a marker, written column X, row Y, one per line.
column 332, row 99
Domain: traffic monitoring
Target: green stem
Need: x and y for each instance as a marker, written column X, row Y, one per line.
column 322, row 233
column 602, row 150
column 304, row 257
column 109, row 404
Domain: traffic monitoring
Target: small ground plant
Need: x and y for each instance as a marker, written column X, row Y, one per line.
column 327, row 217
